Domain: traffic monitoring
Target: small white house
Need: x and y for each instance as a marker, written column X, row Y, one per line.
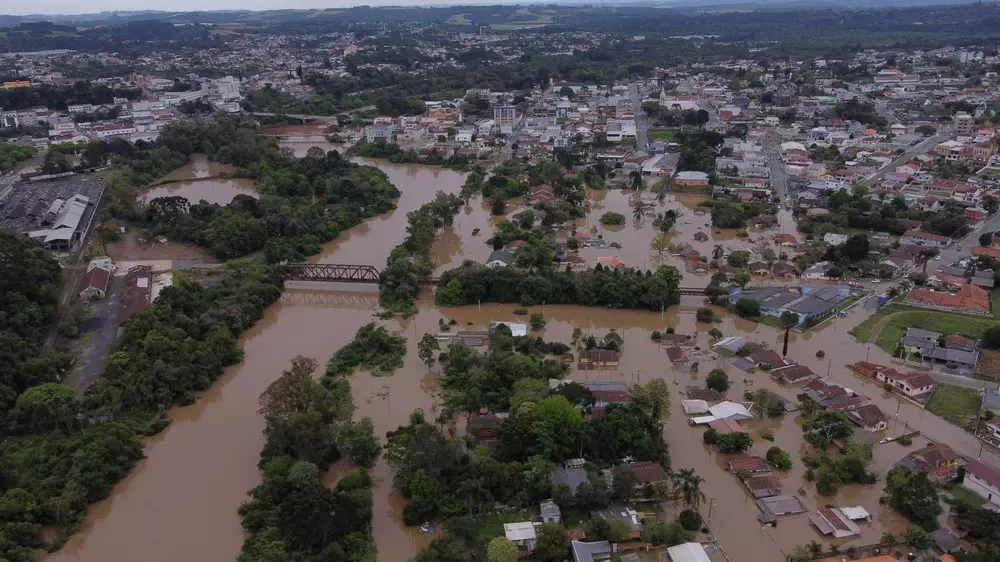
column 984, row 480
column 817, row 271
column 522, row 534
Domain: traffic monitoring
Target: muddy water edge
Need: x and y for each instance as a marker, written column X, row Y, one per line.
column 180, row 502
column 200, row 181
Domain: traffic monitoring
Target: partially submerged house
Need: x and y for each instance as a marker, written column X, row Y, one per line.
column 939, row 461
column 832, row 521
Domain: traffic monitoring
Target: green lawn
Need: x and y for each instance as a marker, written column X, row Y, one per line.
column 772, row 321
column 956, row 404
column 965, row 496
column 993, row 301
column 459, row 19
column 863, row 331
column 492, row 525
column 944, row 322
column 662, row 135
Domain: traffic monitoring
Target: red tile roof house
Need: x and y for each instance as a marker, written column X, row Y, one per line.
column 969, row 299
column 725, row 427
column 792, row 374
column 919, row 238
column 865, row 369
column 645, row 472
column 748, row 463
column 870, row 418
column 833, row 522
column 515, row 246
column 910, row 384
column 95, row 283
column 542, row 194
column 938, row 460
column 763, row 486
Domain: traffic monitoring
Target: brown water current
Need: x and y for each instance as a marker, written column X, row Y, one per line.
column 180, row 502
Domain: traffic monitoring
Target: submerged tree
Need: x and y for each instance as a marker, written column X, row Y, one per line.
column 788, row 320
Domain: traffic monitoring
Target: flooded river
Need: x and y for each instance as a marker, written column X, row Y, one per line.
column 180, row 502
column 199, row 181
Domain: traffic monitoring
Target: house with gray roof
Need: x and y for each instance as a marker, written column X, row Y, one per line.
column 572, row 473
column 499, row 258
column 594, row 551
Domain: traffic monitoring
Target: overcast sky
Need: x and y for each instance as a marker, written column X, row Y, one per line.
column 94, row 6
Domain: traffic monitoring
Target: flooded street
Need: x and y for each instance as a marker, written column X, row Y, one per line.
column 199, row 181
column 180, row 503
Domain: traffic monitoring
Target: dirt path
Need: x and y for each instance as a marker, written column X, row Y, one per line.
column 877, row 329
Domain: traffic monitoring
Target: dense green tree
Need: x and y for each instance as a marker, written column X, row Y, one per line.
column 551, row 543
column 717, row 380
column 747, row 308
column 779, row 459
column 501, row 549
column 912, row 494
column 826, row 426
column 596, row 287
column 301, row 416
column 556, row 427
column 426, row 348
column 374, row 348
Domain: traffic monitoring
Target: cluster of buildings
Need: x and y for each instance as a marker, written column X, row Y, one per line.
column 808, row 301
column 133, row 120
column 56, row 214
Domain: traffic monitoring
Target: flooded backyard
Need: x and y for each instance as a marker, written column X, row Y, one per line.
column 181, row 502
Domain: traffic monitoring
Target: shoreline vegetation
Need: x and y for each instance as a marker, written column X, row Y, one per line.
column 291, row 514
column 398, row 155
column 63, row 453
column 409, row 264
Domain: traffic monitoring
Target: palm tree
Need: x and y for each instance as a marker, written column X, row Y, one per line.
column 688, row 484
column 788, row 320
column 926, row 254
column 636, row 177
column 638, row 210
column 658, row 245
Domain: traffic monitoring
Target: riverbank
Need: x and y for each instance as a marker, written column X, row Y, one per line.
column 198, row 470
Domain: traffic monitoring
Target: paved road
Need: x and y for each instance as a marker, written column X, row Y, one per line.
column 918, row 148
column 102, row 327
column 641, row 123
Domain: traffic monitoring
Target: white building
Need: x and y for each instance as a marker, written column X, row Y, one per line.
column 688, row 552
column 81, row 108
column 964, row 123
column 984, row 481
column 522, row 534
column 105, row 130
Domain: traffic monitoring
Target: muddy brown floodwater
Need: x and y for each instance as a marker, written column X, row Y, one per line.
column 180, row 502
column 199, row 181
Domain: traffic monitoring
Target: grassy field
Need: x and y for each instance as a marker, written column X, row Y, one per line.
column 661, row 135
column 956, row 404
column 966, row 496
column 996, row 307
column 459, row 19
column 863, row 331
column 900, row 318
column 492, row 526
column 988, row 363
